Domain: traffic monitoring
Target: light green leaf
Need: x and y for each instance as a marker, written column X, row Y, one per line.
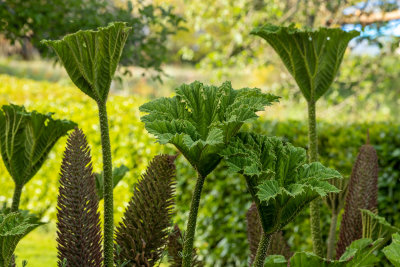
column 275, row 261
column 91, row 57
column 358, row 254
column 313, row 58
column 200, row 120
column 117, row 174
column 277, row 176
column 392, row 252
column 26, row 139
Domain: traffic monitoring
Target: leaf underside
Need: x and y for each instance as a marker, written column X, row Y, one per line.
column 278, row 178
column 200, row 120
column 26, row 138
column 91, row 57
column 313, row 58
column 118, row 174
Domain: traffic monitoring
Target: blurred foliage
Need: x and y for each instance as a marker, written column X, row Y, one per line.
column 218, row 33
column 31, row 21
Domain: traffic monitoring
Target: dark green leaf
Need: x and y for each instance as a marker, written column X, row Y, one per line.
column 26, row 139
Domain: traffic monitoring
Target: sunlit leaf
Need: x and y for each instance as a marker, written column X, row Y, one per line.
column 91, row 57
column 200, row 120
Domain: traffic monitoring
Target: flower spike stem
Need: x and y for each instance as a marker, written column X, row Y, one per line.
column 315, row 205
column 191, row 225
column 262, row 250
column 108, row 187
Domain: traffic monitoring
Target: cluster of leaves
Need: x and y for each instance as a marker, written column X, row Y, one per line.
column 200, row 120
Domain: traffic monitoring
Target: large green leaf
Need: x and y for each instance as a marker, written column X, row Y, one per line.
column 13, row 227
column 311, row 57
column 200, row 120
column 280, row 181
column 392, row 252
column 26, row 139
column 91, row 57
column 358, row 254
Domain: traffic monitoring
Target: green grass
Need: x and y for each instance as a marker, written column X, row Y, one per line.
column 39, row 248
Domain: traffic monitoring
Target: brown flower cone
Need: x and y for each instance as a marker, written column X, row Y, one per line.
column 362, row 194
column 78, row 220
column 143, row 232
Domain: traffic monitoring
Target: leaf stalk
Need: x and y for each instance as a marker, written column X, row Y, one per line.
column 191, row 224
column 316, row 204
column 108, row 186
column 262, row 250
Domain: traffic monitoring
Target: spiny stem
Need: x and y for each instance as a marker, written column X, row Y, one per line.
column 16, row 197
column 262, row 250
column 191, row 224
column 314, row 205
column 108, row 187
column 332, row 236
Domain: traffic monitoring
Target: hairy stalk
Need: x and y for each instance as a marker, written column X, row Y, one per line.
column 108, row 187
column 191, row 224
column 262, row 250
column 316, row 204
column 16, row 197
column 332, row 236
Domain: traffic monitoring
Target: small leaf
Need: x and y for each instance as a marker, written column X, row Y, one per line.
column 392, row 252
column 313, row 58
column 118, row 174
